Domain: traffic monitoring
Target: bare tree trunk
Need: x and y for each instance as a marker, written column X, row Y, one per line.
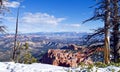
column 116, row 31
column 15, row 41
column 107, row 33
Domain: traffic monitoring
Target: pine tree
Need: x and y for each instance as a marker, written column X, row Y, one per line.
column 109, row 12
column 115, row 29
column 107, row 32
column 103, row 12
column 16, row 33
column 23, row 54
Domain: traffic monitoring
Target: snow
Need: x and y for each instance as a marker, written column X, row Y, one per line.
column 38, row 67
column 35, row 67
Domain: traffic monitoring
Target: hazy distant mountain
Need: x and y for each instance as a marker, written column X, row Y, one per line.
column 40, row 42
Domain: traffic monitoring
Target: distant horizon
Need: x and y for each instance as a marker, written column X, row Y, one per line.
column 45, row 32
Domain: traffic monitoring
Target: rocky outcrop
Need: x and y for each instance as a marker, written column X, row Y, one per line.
column 66, row 58
column 70, row 57
column 73, row 47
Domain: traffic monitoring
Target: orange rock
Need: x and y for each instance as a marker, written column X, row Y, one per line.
column 63, row 58
column 68, row 58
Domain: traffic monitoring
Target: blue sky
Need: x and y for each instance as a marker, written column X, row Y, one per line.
column 51, row 16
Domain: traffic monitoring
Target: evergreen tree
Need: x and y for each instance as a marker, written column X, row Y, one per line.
column 108, row 12
column 107, row 32
column 16, row 33
column 115, row 29
column 103, row 12
column 23, row 54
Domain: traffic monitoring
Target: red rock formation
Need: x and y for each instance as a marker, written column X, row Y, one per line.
column 75, row 47
column 68, row 59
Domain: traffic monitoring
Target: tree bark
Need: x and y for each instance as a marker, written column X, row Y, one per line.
column 116, row 30
column 107, row 32
column 15, row 41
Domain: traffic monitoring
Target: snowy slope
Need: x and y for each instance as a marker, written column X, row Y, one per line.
column 35, row 67
column 38, row 67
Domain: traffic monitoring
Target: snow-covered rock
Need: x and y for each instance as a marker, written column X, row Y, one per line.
column 38, row 67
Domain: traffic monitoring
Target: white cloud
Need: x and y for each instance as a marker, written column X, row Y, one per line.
column 37, row 18
column 73, row 25
column 37, row 22
column 40, row 18
column 12, row 4
column 10, row 19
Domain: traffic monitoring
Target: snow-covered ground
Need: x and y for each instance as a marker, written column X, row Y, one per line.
column 38, row 67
